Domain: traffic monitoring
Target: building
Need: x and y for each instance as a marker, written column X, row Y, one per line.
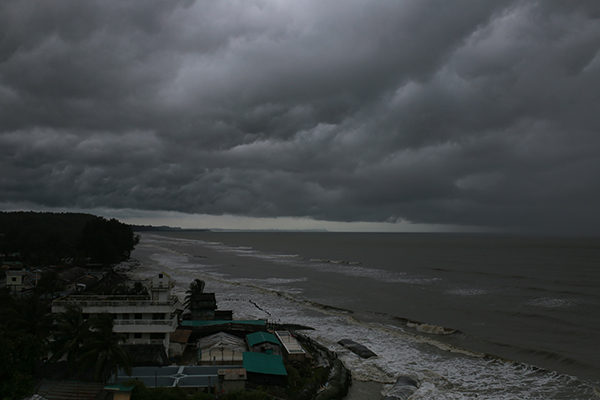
column 141, row 319
column 264, row 342
column 179, row 342
column 212, row 379
column 221, row 349
column 265, row 369
column 120, row 392
column 293, row 349
column 230, row 380
column 19, row 278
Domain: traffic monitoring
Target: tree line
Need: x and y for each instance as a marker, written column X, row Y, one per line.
column 39, row 239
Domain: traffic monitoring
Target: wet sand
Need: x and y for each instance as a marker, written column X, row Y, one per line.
column 364, row 391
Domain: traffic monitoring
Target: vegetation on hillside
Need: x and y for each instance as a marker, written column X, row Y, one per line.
column 52, row 238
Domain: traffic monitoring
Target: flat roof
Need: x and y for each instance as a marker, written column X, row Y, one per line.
column 175, row 375
column 262, row 363
column 289, row 342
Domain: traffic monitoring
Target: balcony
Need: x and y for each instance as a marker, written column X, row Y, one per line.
column 170, row 322
column 115, row 304
column 145, row 325
column 145, row 341
column 112, row 301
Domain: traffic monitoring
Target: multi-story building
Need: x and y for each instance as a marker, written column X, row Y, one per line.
column 141, row 319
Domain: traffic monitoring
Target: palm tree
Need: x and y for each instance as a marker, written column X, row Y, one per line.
column 69, row 333
column 196, row 287
column 49, row 284
column 30, row 315
column 102, row 348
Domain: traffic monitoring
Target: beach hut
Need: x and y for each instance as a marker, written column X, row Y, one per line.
column 263, row 342
column 221, row 349
column 265, row 369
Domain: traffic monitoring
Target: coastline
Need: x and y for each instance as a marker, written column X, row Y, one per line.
column 272, row 274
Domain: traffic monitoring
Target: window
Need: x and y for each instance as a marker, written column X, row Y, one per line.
column 160, row 276
column 125, row 316
column 157, row 336
column 137, row 335
column 137, row 316
column 14, row 278
column 158, row 316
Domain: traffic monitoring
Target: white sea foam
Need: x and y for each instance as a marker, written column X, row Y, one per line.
column 467, row 292
column 548, row 302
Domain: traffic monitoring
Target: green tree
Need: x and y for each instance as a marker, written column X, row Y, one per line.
column 201, row 396
column 244, row 395
column 142, row 392
column 196, row 288
column 138, row 289
column 25, row 323
column 101, row 349
column 41, row 238
column 17, row 362
column 107, row 241
column 30, row 315
column 48, row 284
column 69, row 332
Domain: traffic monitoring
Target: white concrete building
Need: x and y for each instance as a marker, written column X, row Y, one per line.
column 141, row 319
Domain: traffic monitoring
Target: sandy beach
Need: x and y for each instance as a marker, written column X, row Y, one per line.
column 364, row 391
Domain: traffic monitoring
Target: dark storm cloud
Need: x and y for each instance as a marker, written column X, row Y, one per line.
column 466, row 112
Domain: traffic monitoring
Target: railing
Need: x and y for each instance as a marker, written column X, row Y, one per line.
column 113, row 301
column 144, row 341
column 146, row 322
column 169, row 285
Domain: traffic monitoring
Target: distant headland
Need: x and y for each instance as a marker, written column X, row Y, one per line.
column 164, row 228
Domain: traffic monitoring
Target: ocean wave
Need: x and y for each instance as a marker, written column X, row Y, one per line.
column 428, row 328
column 443, row 370
column 467, row 292
column 550, row 302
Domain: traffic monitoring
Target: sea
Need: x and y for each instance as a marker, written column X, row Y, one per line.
column 469, row 316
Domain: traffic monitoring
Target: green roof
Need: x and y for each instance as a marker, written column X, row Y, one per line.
column 262, row 363
column 261, row 337
column 222, row 322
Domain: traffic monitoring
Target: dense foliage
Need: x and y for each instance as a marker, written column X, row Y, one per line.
column 26, row 324
column 24, row 327
column 52, row 238
column 107, row 241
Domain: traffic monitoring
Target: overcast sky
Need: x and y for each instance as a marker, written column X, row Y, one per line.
column 388, row 114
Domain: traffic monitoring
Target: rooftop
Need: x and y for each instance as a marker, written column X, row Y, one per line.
column 289, row 342
column 261, row 337
column 264, row 364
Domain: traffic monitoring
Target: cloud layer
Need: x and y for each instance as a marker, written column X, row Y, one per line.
column 469, row 113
